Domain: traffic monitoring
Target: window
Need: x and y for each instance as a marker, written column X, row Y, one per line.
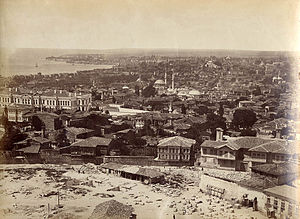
column 290, row 211
column 268, row 200
column 282, row 206
column 275, row 204
column 204, row 151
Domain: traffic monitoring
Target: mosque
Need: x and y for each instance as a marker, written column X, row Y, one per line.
column 184, row 93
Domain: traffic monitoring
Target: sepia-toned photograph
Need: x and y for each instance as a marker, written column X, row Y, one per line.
column 149, row 109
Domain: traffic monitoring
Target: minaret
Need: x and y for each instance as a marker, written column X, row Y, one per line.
column 171, row 107
column 173, row 80
column 165, row 77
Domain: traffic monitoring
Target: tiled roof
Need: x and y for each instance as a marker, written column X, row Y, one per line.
column 176, row 141
column 33, row 149
column 276, row 169
column 213, row 144
column 247, row 142
column 151, row 173
column 272, row 146
column 255, row 144
column 92, row 142
column 40, row 140
column 78, row 131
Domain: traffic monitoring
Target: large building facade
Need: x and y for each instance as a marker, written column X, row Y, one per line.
column 175, row 149
column 51, row 99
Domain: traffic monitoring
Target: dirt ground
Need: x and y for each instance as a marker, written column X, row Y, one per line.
column 32, row 191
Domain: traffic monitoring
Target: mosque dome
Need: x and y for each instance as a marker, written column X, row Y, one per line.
column 159, row 82
column 194, row 93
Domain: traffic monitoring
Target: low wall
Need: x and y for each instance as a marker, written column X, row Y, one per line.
column 142, row 161
column 49, row 156
column 129, row 160
column 232, row 190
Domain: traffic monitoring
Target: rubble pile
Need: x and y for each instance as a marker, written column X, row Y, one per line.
column 112, row 209
column 228, row 175
column 167, row 189
column 89, row 168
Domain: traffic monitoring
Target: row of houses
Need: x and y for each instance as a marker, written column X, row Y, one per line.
column 241, row 153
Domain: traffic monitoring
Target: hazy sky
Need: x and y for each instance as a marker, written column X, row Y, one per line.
column 201, row 24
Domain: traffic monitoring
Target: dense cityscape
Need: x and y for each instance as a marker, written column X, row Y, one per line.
column 222, row 125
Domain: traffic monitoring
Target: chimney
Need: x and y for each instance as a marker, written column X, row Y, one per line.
column 278, row 134
column 102, row 132
column 60, row 91
column 70, row 94
column 43, row 132
column 219, row 134
column 54, row 91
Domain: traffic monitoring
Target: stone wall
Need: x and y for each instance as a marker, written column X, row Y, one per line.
column 129, row 160
column 232, row 190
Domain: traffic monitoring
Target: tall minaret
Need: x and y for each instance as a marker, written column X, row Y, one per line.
column 165, row 77
column 173, row 80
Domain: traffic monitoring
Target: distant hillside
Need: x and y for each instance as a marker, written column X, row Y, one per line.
column 42, row 53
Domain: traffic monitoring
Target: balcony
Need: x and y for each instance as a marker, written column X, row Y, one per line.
column 226, row 156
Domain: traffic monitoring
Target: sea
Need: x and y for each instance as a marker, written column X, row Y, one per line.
column 33, row 61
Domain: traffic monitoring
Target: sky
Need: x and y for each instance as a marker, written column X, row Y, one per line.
column 184, row 24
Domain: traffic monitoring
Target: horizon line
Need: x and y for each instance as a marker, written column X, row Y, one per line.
column 154, row 48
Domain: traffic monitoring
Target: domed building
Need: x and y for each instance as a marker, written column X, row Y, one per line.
column 159, row 85
column 194, row 93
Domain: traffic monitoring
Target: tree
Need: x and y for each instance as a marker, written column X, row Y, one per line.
column 11, row 134
column 149, row 91
column 137, row 90
column 244, row 118
column 221, row 110
column 213, row 122
column 61, row 138
column 37, row 123
column 183, row 109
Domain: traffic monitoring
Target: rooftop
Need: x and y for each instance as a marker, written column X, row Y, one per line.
column 33, row 149
column 92, row 142
column 176, row 141
column 276, row 169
